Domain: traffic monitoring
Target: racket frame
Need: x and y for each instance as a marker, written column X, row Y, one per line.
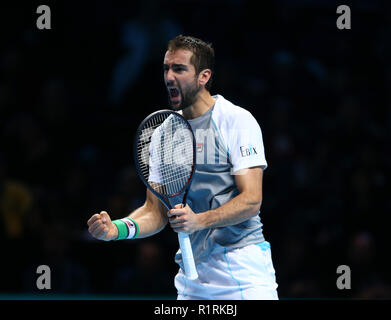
column 185, row 189
column 184, row 239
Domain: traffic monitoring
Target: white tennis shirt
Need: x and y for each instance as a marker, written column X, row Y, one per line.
column 228, row 139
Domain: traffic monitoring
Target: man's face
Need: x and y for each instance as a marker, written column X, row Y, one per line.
column 180, row 79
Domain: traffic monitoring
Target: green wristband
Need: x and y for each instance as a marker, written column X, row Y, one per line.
column 126, row 229
column 122, row 229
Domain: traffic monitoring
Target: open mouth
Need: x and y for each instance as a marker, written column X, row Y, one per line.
column 174, row 95
column 174, row 92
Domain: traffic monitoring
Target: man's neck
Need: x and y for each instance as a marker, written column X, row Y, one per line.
column 204, row 102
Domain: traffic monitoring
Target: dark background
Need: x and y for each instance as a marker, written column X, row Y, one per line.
column 72, row 97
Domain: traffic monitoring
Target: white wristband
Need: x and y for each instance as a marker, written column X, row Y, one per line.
column 131, row 227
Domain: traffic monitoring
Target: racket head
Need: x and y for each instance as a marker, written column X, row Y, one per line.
column 159, row 132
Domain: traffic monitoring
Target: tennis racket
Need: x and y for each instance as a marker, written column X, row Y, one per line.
column 165, row 155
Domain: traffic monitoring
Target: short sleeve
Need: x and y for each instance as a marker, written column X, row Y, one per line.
column 245, row 143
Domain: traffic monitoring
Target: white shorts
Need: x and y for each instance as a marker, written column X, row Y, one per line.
column 245, row 273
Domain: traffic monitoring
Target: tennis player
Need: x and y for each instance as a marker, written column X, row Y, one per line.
column 232, row 257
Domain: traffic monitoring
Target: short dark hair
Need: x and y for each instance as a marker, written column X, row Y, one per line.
column 203, row 54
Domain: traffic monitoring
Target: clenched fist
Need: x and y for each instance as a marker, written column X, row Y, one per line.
column 101, row 227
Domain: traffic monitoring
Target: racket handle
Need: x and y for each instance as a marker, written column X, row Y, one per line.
column 187, row 256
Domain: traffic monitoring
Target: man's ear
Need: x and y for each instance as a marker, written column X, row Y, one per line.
column 204, row 76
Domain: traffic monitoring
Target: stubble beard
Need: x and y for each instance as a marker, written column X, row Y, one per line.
column 188, row 97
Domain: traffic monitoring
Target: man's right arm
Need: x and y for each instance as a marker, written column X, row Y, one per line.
column 150, row 218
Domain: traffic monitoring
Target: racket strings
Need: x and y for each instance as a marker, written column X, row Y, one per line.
column 165, row 153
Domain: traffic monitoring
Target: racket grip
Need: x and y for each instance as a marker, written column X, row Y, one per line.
column 187, row 256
